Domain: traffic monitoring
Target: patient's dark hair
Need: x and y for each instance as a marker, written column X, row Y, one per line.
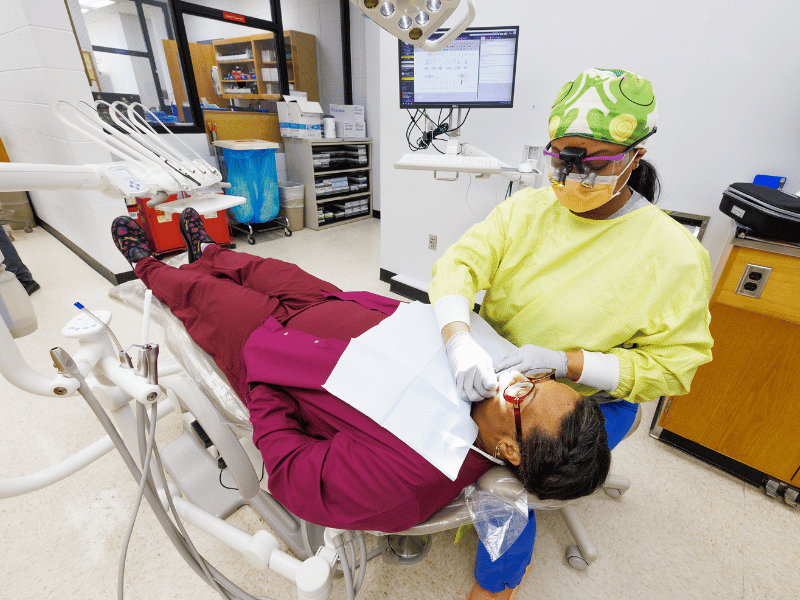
column 571, row 464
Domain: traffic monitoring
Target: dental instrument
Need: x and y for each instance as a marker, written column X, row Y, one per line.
column 150, row 168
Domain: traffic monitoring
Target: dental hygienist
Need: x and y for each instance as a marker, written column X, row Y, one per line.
column 585, row 275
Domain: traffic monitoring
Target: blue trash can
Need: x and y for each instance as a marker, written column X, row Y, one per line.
column 253, row 175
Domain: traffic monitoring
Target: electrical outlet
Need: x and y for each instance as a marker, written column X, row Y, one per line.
column 753, row 280
column 431, row 242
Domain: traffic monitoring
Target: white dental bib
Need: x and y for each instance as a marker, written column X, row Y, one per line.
column 398, row 375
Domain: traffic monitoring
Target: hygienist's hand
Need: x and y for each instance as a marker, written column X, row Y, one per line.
column 472, row 368
column 529, row 357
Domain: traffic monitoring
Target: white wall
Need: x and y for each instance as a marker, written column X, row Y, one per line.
column 39, row 64
column 725, row 76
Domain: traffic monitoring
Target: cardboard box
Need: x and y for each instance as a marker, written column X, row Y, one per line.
column 300, row 118
column 268, row 74
column 350, row 113
column 284, row 119
column 350, row 129
column 345, row 129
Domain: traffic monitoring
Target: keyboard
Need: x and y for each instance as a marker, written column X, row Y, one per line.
column 449, row 162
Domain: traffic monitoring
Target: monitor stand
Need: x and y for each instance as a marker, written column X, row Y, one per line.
column 456, row 110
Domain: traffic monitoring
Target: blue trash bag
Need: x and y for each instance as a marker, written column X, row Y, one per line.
column 253, row 175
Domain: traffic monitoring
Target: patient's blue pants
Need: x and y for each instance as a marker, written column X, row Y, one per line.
column 509, row 568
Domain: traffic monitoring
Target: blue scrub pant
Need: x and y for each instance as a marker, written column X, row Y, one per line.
column 509, row 568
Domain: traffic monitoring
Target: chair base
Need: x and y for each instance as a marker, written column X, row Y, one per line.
column 404, row 549
column 583, row 553
column 197, row 475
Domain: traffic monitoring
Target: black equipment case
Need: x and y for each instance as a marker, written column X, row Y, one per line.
column 766, row 212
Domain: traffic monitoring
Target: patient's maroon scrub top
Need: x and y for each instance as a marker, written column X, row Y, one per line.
column 327, row 462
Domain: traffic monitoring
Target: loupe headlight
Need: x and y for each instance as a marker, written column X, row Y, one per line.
column 572, row 160
column 588, row 181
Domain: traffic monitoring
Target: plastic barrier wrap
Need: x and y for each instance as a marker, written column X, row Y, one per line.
column 195, row 361
column 253, row 175
column 499, row 519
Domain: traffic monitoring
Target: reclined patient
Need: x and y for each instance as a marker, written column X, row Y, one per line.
column 277, row 333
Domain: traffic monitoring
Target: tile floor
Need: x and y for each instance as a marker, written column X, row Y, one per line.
column 683, row 531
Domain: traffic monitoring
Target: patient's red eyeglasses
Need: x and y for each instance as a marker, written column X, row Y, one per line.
column 521, row 390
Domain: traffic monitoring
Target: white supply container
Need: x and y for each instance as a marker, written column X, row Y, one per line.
column 16, row 307
column 328, row 126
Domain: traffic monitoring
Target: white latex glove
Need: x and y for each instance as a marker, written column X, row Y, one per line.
column 529, row 357
column 472, row 368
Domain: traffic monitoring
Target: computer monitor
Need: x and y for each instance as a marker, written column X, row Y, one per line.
column 476, row 70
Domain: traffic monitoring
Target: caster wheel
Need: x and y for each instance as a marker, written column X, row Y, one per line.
column 251, row 241
column 28, row 230
column 575, row 558
column 613, row 492
column 287, row 232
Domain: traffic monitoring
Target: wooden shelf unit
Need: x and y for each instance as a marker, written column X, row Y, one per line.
column 301, row 55
column 742, row 414
column 300, row 168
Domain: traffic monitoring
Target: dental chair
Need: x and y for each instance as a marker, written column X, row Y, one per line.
column 217, row 420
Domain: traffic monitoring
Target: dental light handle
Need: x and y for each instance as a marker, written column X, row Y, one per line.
column 24, row 177
column 455, row 31
column 17, row 372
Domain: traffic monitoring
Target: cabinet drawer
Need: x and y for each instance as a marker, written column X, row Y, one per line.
column 780, row 296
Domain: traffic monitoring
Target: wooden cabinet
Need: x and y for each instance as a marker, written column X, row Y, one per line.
column 743, row 411
column 325, row 167
column 248, row 68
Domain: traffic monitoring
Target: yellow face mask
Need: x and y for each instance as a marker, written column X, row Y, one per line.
column 577, row 197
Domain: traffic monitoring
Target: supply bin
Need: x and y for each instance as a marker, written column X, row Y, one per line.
column 161, row 225
column 292, row 203
column 16, row 211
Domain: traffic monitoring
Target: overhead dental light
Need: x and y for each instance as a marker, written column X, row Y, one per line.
column 415, row 21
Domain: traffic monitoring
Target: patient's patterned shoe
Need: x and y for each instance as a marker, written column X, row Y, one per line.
column 130, row 239
column 194, row 233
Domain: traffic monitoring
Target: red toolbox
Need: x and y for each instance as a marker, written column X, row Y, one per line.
column 162, row 227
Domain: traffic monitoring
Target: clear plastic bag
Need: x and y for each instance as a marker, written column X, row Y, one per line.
column 499, row 520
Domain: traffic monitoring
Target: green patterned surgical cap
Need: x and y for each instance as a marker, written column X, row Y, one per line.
column 609, row 105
